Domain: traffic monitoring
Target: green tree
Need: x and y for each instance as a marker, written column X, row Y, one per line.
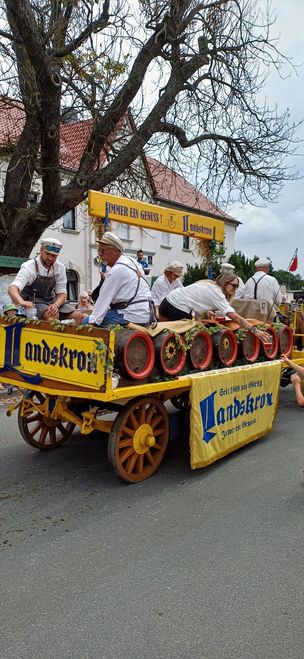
column 194, row 273
column 292, row 282
column 243, row 266
column 193, row 73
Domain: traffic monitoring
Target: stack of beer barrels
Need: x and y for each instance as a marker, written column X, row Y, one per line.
column 138, row 356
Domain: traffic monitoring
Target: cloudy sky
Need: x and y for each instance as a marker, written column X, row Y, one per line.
column 276, row 230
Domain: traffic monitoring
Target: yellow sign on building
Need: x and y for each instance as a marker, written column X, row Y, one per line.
column 151, row 216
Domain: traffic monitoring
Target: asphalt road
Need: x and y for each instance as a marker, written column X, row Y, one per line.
column 187, row 565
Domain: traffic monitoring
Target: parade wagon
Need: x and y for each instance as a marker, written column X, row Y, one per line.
column 117, row 381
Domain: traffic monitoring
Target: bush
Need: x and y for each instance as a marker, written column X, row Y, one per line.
column 194, row 273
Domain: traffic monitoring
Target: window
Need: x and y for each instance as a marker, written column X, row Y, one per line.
column 165, row 239
column 72, row 285
column 123, row 231
column 69, row 220
column 186, row 242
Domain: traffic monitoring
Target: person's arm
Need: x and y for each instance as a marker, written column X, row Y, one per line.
column 24, row 277
column 296, row 367
column 264, row 336
column 296, row 381
column 54, row 308
column 16, row 298
column 107, row 294
column 157, row 292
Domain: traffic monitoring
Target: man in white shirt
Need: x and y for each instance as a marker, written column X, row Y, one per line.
column 42, row 283
column 261, row 286
column 125, row 295
column 167, row 282
column 228, row 267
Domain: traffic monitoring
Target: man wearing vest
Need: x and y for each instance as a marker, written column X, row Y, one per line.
column 42, row 283
column 261, row 286
column 125, row 295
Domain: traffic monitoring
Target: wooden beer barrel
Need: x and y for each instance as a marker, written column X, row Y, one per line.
column 249, row 347
column 271, row 348
column 170, row 353
column 286, row 340
column 225, row 346
column 201, row 350
column 134, row 354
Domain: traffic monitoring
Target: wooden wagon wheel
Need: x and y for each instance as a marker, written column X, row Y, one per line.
column 40, row 431
column 138, row 439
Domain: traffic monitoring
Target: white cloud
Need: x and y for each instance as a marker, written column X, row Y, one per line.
column 276, row 230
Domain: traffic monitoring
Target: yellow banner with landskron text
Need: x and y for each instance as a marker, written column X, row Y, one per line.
column 230, row 408
column 151, row 216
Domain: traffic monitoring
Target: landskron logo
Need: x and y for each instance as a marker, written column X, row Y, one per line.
column 213, row 416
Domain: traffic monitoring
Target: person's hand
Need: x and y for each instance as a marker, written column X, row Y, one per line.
column 295, row 378
column 210, row 315
column 286, row 359
column 264, row 336
column 53, row 309
column 27, row 304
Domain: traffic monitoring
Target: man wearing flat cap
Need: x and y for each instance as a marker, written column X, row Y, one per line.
column 229, row 267
column 125, row 295
column 42, row 282
column 167, row 282
column 262, row 286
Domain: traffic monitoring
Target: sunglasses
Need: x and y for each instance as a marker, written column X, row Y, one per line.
column 233, row 285
column 54, row 249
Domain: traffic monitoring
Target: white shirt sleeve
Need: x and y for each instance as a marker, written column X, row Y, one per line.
column 25, row 276
column 107, row 293
column 60, row 278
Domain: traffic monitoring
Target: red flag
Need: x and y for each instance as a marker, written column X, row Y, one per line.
column 294, row 262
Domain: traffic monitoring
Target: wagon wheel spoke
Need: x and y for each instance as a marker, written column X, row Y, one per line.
column 126, row 454
column 140, row 463
column 125, row 442
column 150, row 414
column 128, row 431
column 158, row 431
column 134, row 420
column 142, row 414
column 62, row 429
column 38, row 426
column 33, row 417
column 149, row 457
column 156, row 421
column 132, row 462
column 43, row 435
column 52, row 435
column 157, row 446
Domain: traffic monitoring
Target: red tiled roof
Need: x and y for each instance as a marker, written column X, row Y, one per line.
column 169, row 186
column 12, row 120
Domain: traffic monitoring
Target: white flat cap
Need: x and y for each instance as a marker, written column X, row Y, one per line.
column 174, row 266
column 261, row 262
column 227, row 267
column 110, row 238
column 54, row 244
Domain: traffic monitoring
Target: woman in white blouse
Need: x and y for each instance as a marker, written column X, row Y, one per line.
column 205, row 297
